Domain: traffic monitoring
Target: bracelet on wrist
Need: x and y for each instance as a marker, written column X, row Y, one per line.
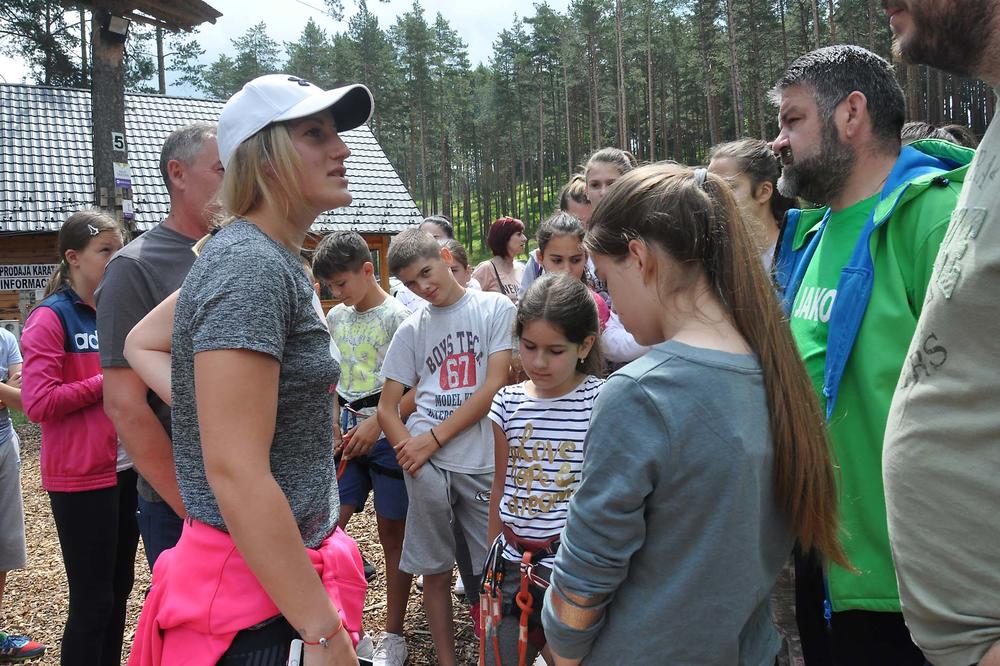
column 324, row 641
column 436, row 440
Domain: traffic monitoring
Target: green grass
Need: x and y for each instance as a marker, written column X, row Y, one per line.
column 19, row 418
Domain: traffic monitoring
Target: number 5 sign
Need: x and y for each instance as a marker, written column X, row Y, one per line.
column 118, row 142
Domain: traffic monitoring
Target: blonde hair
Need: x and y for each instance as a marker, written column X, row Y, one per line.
column 265, row 166
column 76, row 233
column 692, row 216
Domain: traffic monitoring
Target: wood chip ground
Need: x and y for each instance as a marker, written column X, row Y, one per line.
column 36, row 599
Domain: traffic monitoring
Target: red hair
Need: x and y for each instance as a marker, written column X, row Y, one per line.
column 500, row 233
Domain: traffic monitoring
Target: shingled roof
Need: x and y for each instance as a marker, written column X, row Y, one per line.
column 46, row 167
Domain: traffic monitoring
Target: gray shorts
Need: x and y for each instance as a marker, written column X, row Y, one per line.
column 439, row 498
column 12, row 549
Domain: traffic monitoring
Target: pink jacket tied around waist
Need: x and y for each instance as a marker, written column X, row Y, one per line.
column 203, row 593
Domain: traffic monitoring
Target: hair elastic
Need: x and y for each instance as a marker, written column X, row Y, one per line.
column 700, row 174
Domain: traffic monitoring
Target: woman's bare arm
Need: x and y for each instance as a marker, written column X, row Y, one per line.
column 147, row 347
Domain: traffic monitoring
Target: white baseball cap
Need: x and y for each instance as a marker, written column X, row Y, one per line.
column 277, row 97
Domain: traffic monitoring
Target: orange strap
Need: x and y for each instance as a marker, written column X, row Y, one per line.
column 525, row 602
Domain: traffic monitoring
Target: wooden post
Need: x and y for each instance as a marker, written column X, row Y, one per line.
column 161, row 64
column 107, row 106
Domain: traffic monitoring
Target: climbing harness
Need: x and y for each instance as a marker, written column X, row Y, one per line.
column 491, row 593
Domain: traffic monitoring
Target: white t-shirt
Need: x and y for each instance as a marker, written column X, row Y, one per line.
column 545, row 462
column 409, row 300
column 443, row 352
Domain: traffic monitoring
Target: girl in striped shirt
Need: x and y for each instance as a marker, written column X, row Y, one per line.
column 539, row 427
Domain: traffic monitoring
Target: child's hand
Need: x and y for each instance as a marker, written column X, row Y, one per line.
column 15, row 380
column 338, row 439
column 413, row 452
column 360, row 439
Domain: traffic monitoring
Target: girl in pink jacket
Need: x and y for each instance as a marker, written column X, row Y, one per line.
column 90, row 482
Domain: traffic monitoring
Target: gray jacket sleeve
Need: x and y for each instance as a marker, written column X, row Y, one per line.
column 606, row 523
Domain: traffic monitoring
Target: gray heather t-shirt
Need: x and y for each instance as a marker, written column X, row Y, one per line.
column 676, row 517
column 941, row 458
column 248, row 292
column 137, row 279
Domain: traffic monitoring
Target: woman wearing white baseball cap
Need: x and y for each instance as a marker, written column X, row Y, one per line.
column 252, row 413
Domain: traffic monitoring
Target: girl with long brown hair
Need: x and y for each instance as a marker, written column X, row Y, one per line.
column 689, row 507
column 88, row 477
column 752, row 171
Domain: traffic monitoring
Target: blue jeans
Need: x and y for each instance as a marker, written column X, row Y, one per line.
column 159, row 526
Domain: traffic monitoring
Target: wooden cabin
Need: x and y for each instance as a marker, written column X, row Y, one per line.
column 46, row 173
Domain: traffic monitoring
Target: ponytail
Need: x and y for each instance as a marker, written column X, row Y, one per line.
column 692, row 216
column 58, row 279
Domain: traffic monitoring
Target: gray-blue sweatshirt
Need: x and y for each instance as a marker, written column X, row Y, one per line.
column 675, row 518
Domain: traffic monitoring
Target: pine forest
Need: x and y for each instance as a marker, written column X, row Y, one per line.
column 665, row 79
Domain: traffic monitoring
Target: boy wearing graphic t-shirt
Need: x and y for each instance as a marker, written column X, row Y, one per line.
column 361, row 327
column 456, row 353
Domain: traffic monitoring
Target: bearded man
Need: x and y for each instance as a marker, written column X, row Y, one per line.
column 853, row 273
column 941, row 461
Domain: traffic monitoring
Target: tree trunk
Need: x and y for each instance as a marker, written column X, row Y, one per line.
column 107, row 108
column 161, row 68
column 83, row 48
column 784, row 34
column 651, row 110
column 595, row 135
column 677, row 115
column 755, row 73
column 541, row 158
column 816, row 37
column 48, row 43
column 871, row 24
column 710, row 102
column 569, row 134
column 913, row 104
column 734, row 70
column 833, row 23
column 591, row 105
column 445, row 173
column 423, row 163
column 622, row 112
column 804, row 23
column 467, row 211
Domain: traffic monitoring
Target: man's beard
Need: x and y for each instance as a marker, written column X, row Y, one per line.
column 947, row 35
column 821, row 177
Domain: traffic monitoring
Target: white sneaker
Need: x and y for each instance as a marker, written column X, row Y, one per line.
column 459, row 587
column 390, row 651
column 365, row 648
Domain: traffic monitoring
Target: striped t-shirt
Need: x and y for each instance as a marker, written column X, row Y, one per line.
column 545, row 439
